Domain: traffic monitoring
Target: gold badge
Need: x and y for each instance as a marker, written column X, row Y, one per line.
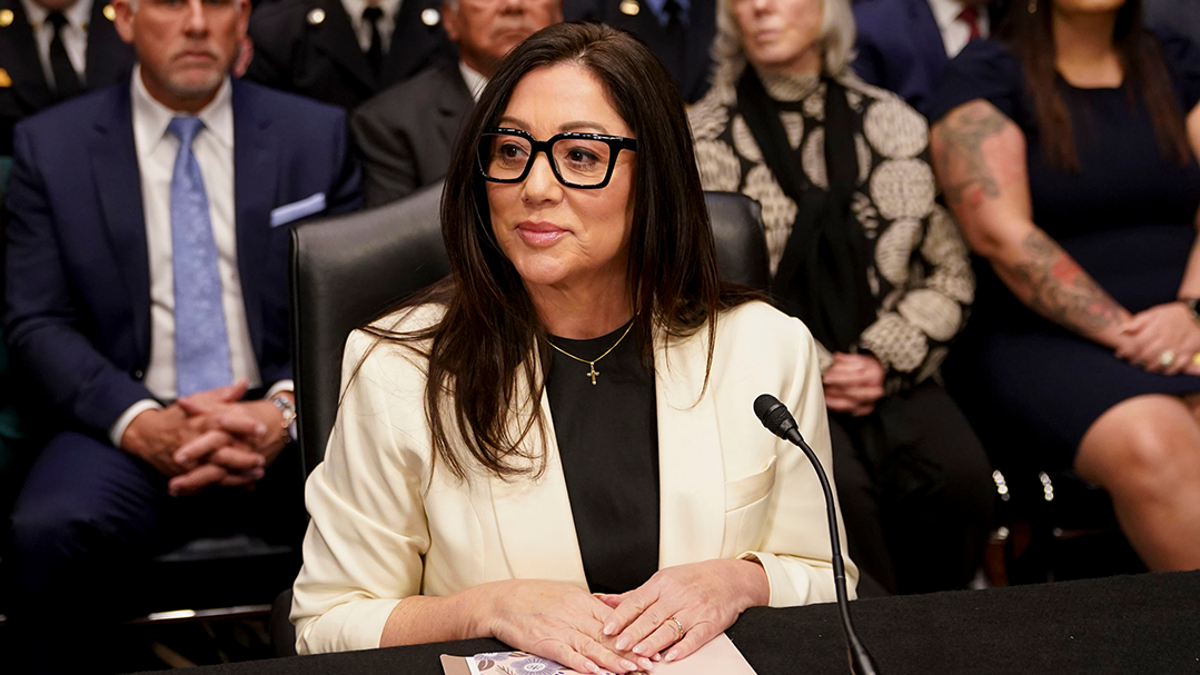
column 316, row 17
column 5, row 80
column 629, row 7
column 6, row 18
column 430, row 17
column 110, row 13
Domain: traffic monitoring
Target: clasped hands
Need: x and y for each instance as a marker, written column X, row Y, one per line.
column 853, row 383
column 208, row 438
column 632, row 631
column 1163, row 339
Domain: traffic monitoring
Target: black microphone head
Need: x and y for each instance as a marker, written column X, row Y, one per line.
column 774, row 415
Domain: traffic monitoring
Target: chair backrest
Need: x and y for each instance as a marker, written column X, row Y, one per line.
column 349, row 269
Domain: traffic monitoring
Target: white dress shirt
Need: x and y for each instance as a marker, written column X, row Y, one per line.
column 156, row 152
column 387, row 22
column 956, row 34
column 74, row 35
column 474, row 79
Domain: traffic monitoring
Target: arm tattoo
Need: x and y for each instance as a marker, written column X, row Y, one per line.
column 963, row 137
column 1060, row 290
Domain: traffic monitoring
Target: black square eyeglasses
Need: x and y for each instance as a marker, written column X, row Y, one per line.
column 578, row 160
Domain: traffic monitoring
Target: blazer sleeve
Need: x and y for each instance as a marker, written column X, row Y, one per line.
column 924, row 258
column 368, row 534
column 41, row 320
column 795, row 552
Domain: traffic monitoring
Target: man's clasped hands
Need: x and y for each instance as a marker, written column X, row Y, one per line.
column 209, row 438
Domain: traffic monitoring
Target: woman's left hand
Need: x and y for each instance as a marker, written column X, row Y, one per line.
column 1163, row 330
column 705, row 598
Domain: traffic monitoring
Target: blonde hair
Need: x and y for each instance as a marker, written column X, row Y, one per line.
column 836, row 38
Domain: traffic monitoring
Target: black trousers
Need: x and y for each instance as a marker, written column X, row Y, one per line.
column 915, row 490
column 87, row 522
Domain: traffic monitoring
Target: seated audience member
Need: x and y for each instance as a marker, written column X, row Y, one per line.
column 343, row 52
column 903, row 45
column 874, row 267
column 51, row 50
column 1067, row 149
column 146, row 290
column 404, row 135
column 556, row 446
column 1182, row 16
column 679, row 31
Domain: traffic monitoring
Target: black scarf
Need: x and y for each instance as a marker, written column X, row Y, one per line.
column 822, row 277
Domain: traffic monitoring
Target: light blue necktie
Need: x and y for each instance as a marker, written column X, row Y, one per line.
column 201, row 342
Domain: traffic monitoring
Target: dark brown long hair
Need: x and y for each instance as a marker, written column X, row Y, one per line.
column 1030, row 38
column 484, row 345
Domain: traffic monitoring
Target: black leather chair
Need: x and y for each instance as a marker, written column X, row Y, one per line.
column 348, row 270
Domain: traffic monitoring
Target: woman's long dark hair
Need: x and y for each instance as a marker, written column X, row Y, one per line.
column 1030, row 38
column 484, row 345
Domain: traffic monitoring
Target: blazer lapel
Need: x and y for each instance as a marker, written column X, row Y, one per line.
column 118, row 184
column 255, row 179
column 691, row 469
column 454, row 100
column 534, row 518
column 335, row 37
column 927, row 34
column 25, row 69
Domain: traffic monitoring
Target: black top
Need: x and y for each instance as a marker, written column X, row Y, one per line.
column 608, row 440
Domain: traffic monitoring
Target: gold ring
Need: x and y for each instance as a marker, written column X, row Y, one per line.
column 1196, row 359
column 1166, row 358
column 678, row 627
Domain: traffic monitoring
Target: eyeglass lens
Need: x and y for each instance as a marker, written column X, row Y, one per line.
column 579, row 161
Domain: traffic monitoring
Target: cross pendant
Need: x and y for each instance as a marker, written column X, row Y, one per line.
column 592, row 373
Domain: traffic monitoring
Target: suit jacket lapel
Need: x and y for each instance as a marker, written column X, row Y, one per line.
column 29, row 80
column 407, row 44
column 335, row 37
column 454, row 100
column 927, row 34
column 255, row 179
column 118, row 184
column 691, row 469
column 534, row 519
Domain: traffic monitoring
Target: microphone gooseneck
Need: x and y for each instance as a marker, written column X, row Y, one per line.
column 775, row 416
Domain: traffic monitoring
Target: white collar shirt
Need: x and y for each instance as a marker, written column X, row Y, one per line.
column 474, row 79
column 156, row 153
column 955, row 33
column 74, row 35
column 362, row 29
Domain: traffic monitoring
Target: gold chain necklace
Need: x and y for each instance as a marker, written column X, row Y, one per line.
column 592, row 372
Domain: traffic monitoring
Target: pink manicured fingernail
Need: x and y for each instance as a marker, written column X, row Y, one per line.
column 628, row 665
column 671, row 656
column 640, row 650
column 610, row 629
column 260, row 429
column 622, row 644
column 646, row 664
column 656, row 657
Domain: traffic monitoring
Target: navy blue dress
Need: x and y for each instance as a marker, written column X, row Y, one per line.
column 1127, row 217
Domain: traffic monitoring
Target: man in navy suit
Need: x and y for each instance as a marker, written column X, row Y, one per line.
column 903, row 45
column 147, row 291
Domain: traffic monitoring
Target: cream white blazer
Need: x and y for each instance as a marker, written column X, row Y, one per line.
column 387, row 522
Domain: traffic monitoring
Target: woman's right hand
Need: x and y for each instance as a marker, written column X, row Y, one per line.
column 1159, row 330
column 556, row 621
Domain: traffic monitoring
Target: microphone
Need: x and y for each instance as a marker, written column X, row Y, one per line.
column 775, row 417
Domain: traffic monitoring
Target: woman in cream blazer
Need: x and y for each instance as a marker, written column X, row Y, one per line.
column 468, row 429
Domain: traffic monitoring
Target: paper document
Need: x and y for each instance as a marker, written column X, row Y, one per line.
column 718, row 657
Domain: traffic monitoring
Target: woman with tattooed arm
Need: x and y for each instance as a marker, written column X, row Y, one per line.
column 1067, row 150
